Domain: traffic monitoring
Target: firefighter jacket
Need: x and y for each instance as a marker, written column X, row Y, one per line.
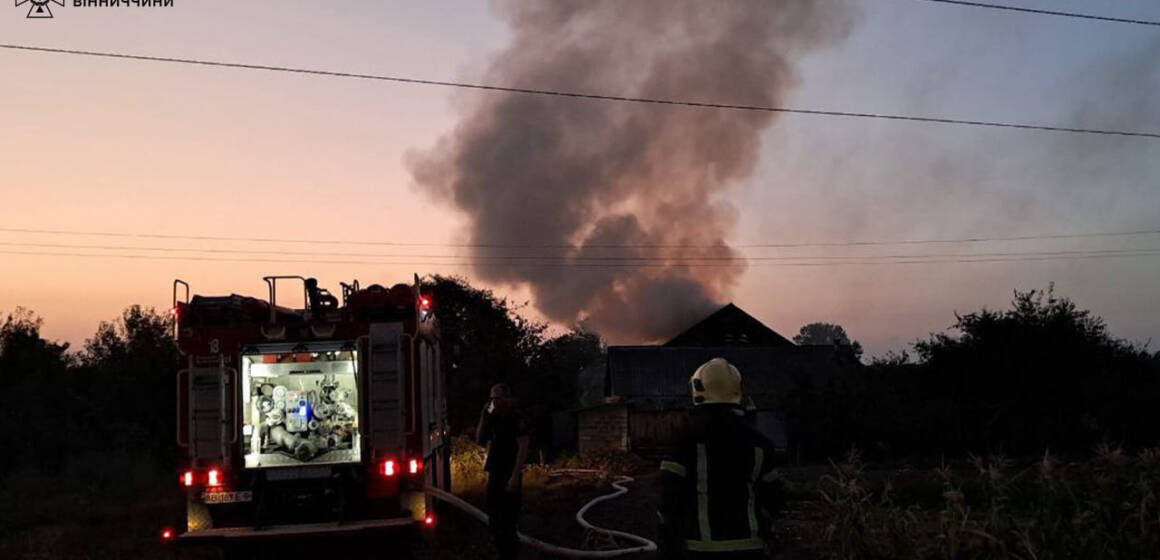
column 718, row 490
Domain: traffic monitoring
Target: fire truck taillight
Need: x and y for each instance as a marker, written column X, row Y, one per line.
column 214, row 478
column 187, row 478
column 389, row 467
column 415, row 466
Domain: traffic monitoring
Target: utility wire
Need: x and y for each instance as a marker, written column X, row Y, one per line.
column 1045, row 12
column 929, row 241
column 564, row 259
column 579, row 266
column 578, row 95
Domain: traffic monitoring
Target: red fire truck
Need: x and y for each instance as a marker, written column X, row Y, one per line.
column 324, row 419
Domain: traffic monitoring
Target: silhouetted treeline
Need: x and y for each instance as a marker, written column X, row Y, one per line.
column 1040, row 375
column 1043, row 374
column 484, row 341
column 116, row 395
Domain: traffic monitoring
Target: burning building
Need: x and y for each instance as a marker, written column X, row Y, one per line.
column 647, row 387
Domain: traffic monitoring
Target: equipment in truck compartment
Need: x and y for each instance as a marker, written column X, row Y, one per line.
column 302, row 423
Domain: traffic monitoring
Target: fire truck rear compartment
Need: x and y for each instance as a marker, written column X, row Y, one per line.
column 300, row 407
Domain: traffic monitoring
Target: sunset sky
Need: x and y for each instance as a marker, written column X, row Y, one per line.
column 101, row 145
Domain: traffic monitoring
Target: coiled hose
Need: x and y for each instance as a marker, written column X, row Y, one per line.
column 645, row 544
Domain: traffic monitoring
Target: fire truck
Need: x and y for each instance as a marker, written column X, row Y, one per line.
column 324, row 419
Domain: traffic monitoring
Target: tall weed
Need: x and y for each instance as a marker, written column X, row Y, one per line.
column 1102, row 509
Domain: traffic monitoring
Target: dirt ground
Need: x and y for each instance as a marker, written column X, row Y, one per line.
column 549, row 511
column 549, row 516
column 635, row 513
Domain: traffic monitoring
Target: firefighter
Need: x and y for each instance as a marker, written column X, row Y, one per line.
column 504, row 430
column 718, row 491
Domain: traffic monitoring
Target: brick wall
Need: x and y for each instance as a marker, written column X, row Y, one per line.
column 603, row 427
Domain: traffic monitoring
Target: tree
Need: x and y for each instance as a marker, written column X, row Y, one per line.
column 33, row 373
column 483, row 341
column 826, row 333
column 560, row 366
column 126, row 377
column 1042, row 374
column 559, row 363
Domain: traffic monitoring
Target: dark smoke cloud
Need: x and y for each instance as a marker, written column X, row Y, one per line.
column 540, row 170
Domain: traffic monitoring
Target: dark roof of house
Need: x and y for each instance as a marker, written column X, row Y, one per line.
column 729, row 326
column 657, row 377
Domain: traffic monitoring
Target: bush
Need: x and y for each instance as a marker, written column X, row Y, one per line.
column 1042, row 374
column 611, row 461
column 1104, row 508
column 468, row 459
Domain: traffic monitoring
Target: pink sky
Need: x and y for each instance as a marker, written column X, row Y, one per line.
column 103, row 145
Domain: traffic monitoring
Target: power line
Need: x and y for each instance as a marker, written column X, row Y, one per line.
column 932, row 241
column 1045, row 12
column 578, row 95
column 582, row 266
column 565, row 259
column 928, row 241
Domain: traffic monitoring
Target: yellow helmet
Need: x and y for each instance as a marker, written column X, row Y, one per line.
column 716, row 381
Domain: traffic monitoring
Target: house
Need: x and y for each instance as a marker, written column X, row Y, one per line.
column 647, row 387
column 728, row 326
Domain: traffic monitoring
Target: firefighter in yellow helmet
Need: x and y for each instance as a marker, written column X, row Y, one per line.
column 718, row 490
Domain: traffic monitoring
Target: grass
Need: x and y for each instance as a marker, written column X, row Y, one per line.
column 100, row 506
column 113, row 506
column 1103, row 508
column 550, row 498
column 989, row 507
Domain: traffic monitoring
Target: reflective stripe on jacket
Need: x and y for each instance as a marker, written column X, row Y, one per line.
column 719, row 482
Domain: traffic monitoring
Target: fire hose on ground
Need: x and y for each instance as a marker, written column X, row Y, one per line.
column 645, row 545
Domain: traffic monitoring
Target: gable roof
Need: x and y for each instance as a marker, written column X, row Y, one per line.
column 657, row 377
column 729, row 326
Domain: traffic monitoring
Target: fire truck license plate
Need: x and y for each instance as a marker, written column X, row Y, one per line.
column 227, row 497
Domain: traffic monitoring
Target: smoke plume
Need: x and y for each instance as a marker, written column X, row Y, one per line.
column 585, row 179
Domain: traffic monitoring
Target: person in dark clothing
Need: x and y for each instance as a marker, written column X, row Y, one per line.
column 504, row 430
column 720, row 489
